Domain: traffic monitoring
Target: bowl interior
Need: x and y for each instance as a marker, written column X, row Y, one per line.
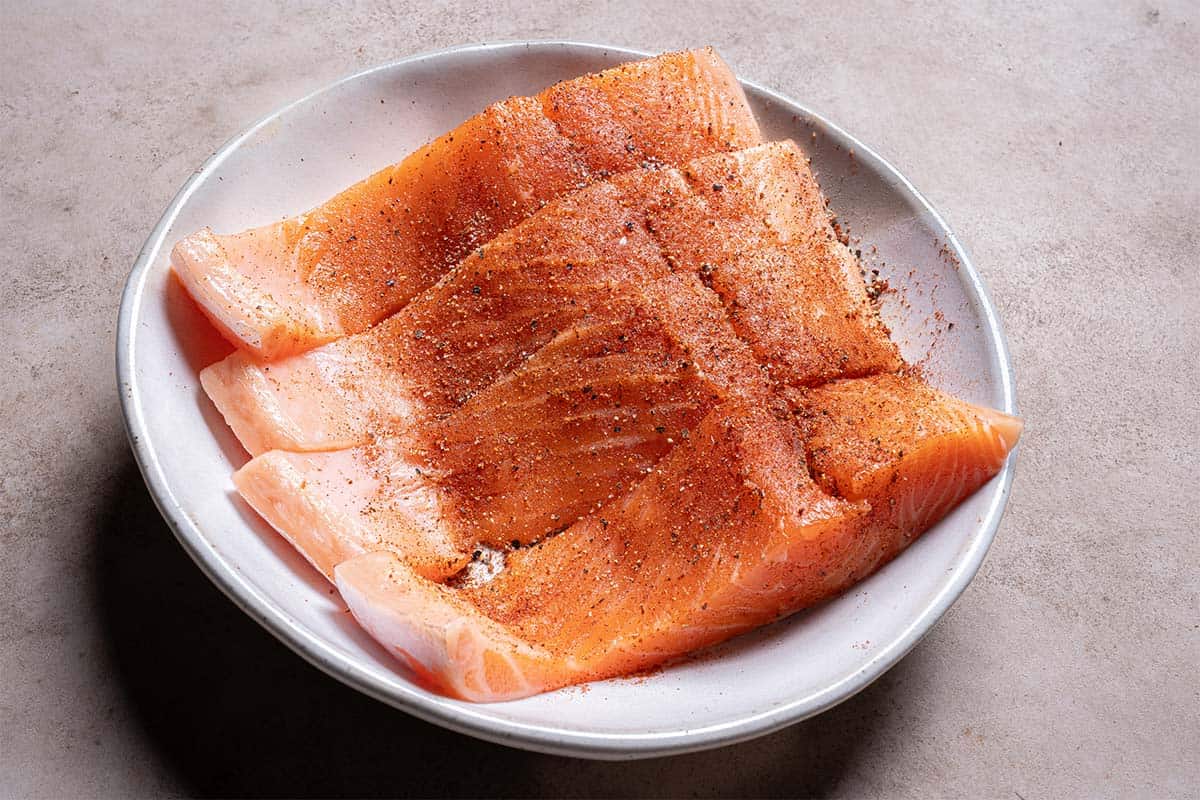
column 795, row 668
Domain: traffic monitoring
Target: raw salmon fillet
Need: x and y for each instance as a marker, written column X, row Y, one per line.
column 338, row 269
column 571, row 428
column 503, row 302
column 716, row 541
column 727, row 533
column 751, row 225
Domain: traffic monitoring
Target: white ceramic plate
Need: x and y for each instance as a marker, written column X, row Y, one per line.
column 302, row 154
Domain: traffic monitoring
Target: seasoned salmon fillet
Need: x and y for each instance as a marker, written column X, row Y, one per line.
column 723, row 536
column 497, row 307
column 761, row 242
column 571, row 428
column 336, row 270
column 727, row 533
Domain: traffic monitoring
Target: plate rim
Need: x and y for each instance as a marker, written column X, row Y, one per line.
column 542, row 738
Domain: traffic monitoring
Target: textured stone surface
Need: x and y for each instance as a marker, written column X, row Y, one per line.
column 1061, row 144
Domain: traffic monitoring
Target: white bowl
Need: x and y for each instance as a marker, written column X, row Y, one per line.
column 302, row 154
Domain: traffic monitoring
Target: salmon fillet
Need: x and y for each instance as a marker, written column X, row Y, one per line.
column 728, row 532
column 572, row 427
column 338, row 269
column 761, row 241
column 504, row 301
column 714, row 542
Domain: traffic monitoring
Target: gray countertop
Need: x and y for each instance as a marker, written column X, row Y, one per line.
column 1060, row 141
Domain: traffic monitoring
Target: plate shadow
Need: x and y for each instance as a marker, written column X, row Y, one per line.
column 233, row 712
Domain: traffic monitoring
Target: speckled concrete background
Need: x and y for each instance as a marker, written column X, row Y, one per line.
column 1060, row 142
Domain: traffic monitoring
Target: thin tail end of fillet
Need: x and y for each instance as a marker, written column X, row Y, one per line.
column 331, row 510
column 239, row 390
column 932, row 481
column 1007, row 427
column 291, row 413
column 741, row 118
column 448, row 644
column 275, row 486
column 242, row 307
